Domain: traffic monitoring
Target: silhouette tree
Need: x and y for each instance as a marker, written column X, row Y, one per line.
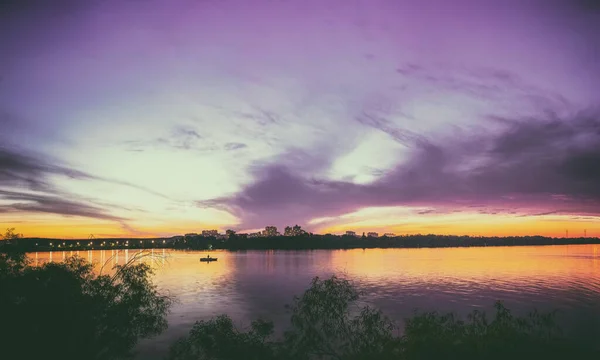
column 327, row 324
column 295, row 230
column 10, row 235
column 72, row 313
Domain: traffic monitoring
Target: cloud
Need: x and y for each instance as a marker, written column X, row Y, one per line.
column 234, row 146
column 484, row 83
column 30, row 203
column 180, row 138
column 550, row 164
column 24, row 181
column 21, row 169
column 587, row 5
column 542, row 213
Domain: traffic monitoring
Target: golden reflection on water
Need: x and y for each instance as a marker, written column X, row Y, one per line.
column 104, row 260
column 553, row 264
column 448, row 274
column 516, row 264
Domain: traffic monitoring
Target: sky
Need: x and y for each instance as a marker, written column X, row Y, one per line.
column 161, row 117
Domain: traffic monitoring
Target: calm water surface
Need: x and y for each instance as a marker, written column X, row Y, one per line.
column 253, row 284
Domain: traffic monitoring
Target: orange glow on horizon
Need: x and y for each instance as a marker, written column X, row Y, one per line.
column 476, row 225
column 82, row 229
column 51, row 226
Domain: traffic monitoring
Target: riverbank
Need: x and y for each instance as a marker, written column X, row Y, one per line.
column 304, row 242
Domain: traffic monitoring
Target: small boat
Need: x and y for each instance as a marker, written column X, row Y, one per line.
column 208, row 259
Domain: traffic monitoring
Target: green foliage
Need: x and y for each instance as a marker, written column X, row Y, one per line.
column 12, row 264
column 219, row 339
column 69, row 312
column 323, row 327
column 10, row 234
column 327, row 324
column 431, row 335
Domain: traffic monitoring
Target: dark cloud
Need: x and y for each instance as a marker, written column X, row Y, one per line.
column 551, row 164
column 56, row 7
column 586, row 5
column 27, row 202
column 542, row 213
column 186, row 132
column 402, row 136
column 429, row 211
column 234, row 146
column 20, row 170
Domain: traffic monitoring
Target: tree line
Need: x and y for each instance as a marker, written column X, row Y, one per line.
column 303, row 241
column 313, row 241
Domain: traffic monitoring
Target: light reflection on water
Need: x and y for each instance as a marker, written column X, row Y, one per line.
column 252, row 284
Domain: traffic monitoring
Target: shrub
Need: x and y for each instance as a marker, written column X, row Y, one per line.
column 68, row 312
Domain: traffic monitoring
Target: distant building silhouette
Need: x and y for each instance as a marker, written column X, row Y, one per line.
column 389, row 234
column 208, row 233
column 350, row 233
column 372, row 234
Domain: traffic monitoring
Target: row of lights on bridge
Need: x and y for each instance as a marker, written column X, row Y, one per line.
column 102, row 243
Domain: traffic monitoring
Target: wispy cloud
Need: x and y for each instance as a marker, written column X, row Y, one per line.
column 26, row 187
column 179, row 138
column 234, row 146
column 20, row 169
column 36, row 203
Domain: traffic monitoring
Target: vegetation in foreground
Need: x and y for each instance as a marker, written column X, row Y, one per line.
column 327, row 324
column 66, row 311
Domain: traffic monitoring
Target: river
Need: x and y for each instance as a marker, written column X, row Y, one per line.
column 252, row 284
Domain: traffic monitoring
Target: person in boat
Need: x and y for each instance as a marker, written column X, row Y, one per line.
column 208, row 256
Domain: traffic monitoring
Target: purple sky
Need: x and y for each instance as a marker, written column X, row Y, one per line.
column 159, row 117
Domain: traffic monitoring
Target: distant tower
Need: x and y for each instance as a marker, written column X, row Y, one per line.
column 584, row 232
column 567, row 233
